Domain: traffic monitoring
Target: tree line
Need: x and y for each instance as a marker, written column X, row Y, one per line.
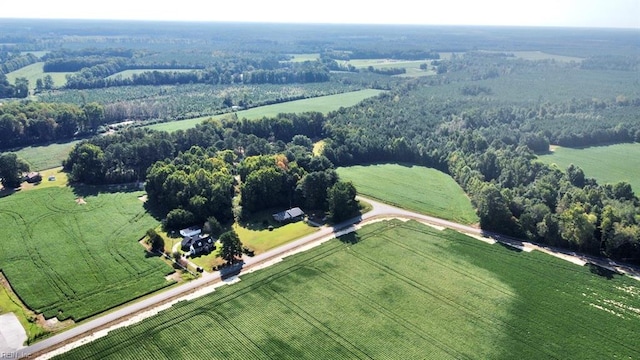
column 28, row 123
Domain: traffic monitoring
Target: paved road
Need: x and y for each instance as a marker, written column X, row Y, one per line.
column 380, row 211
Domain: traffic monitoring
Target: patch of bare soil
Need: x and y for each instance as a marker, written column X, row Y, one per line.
column 176, row 276
column 53, row 324
column 80, row 201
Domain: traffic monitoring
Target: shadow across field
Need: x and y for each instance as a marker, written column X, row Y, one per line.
column 602, row 272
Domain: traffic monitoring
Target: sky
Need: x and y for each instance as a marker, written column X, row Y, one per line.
column 569, row 13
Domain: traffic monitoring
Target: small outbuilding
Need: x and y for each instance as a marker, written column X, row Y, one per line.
column 191, row 231
column 291, row 215
column 33, row 177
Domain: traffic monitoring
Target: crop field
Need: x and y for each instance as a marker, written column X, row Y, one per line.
column 412, row 66
column 75, row 253
column 397, row 290
column 606, row 164
column 129, row 73
column 34, row 72
column 539, row 55
column 416, row 188
column 322, row 104
column 47, row 156
column 305, row 57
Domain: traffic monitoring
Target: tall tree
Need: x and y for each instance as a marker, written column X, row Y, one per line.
column 11, row 169
column 231, row 247
column 342, row 201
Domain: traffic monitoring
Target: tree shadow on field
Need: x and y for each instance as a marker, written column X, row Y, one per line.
column 603, row 272
column 82, row 190
column 350, row 238
column 510, row 247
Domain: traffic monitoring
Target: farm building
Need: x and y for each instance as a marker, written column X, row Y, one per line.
column 33, row 177
column 191, row 231
column 293, row 214
column 202, row 246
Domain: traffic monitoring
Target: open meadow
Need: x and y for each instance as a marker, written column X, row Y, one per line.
column 46, row 156
column 606, row 164
column 34, row 72
column 322, row 104
column 397, row 290
column 425, row 190
column 73, row 253
column 411, row 66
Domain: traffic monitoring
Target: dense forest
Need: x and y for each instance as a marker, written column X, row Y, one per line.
column 482, row 115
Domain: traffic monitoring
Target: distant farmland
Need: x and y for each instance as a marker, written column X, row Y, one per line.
column 73, row 255
column 607, row 164
column 34, row 72
column 416, row 188
column 397, row 290
column 129, row 73
column 322, row 104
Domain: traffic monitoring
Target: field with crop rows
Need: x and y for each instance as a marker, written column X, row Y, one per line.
column 427, row 191
column 46, row 156
column 76, row 254
column 606, row 164
column 397, row 290
column 322, row 104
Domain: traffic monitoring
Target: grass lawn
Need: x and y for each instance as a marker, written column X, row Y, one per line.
column 416, row 188
column 257, row 237
column 322, row 104
column 397, row 290
column 73, row 259
column 34, row 72
column 607, row 164
column 47, row 156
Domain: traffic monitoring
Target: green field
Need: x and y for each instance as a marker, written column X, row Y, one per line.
column 46, row 157
column 322, row 104
column 305, row 57
column 34, row 72
column 74, row 260
column 416, row 188
column 397, row 290
column 412, row 66
column 129, row 73
column 606, row 164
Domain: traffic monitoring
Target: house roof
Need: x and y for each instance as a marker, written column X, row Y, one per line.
column 201, row 243
column 190, row 231
column 288, row 214
column 189, row 240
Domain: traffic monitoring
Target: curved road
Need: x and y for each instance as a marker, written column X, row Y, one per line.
column 380, row 211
